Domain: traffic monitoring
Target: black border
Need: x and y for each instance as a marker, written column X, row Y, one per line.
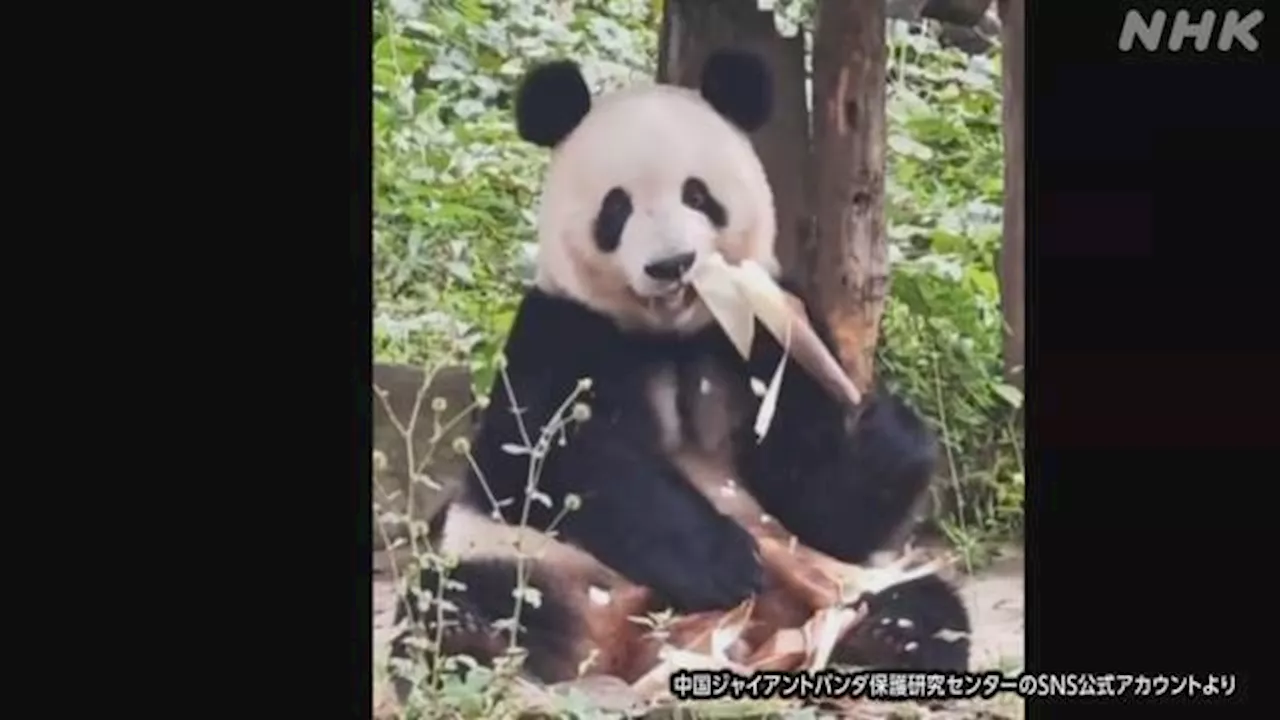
column 361, row 352
column 226, row 210
column 1151, row 386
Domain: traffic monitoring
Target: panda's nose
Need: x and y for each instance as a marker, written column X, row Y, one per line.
column 670, row 268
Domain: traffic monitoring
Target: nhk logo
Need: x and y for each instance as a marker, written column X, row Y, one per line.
column 1233, row 29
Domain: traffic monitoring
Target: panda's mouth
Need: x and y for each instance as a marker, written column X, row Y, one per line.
column 675, row 300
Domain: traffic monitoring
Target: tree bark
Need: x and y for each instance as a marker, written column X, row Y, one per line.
column 691, row 30
column 1013, row 247
column 851, row 273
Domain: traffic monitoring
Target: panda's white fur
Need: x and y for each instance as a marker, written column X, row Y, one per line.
column 648, row 140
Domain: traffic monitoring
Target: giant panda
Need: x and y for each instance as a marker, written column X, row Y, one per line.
column 642, row 185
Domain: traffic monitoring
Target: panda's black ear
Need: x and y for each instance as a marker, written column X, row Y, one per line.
column 738, row 85
column 552, row 100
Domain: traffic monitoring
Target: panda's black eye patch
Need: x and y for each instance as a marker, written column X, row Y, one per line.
column 696, row 195
column 615, row 210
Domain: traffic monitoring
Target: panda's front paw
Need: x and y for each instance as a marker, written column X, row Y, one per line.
column 714, row 567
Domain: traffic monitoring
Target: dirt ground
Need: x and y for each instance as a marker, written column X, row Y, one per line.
column 995, row 597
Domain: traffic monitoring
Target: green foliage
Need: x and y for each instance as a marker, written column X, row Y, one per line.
column 942, row 325
column 454, row 188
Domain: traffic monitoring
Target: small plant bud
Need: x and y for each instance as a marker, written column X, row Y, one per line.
column 584, row 384
column 439, row 404
column 482, row 401
column 581, row 412
column 572, row 502
column 379, row 461
column 461, row 445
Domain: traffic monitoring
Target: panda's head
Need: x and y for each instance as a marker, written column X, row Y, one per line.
column 644, row 183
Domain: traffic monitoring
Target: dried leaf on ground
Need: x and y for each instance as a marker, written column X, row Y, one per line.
column 704, row 641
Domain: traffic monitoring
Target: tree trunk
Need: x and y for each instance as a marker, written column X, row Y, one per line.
column 1013, row 247
column 691, row 30
column 851, row 273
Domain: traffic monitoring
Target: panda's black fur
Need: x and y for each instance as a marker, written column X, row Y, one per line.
column 841, row 487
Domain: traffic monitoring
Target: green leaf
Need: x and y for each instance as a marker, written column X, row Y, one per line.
column 461, row 271
column 1009, row 394
column 905, row 145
